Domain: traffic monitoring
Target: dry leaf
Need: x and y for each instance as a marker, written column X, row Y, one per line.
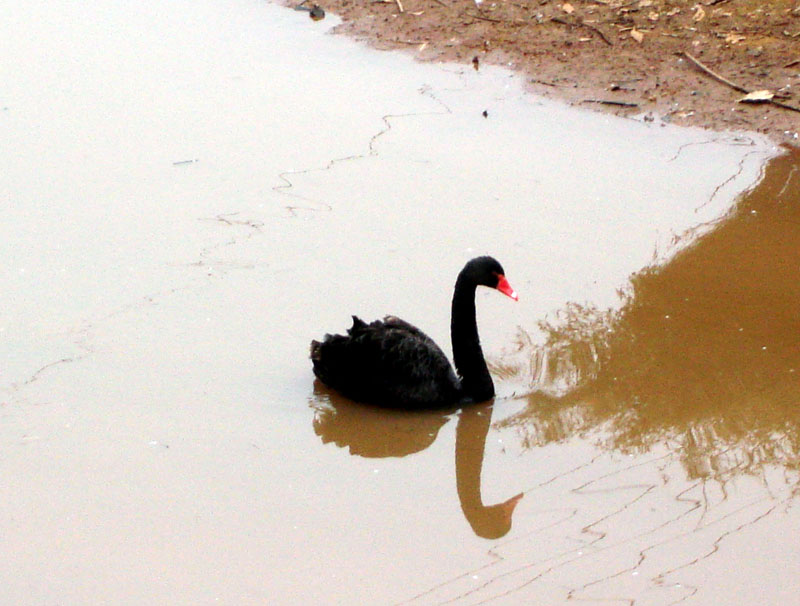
column 699, row 13
column 645, row 3
column 673, row 12
column 637, row 35
column 653, row 16
column 757, row 96
column 567, row 8
column 733, row 38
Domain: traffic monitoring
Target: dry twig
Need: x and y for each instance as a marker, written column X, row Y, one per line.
column 583, row 23
column 611, row 102
column 708, row 71
column 482, row 18
column 703, row 68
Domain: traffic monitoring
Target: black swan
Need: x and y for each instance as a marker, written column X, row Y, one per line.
column 389, row 362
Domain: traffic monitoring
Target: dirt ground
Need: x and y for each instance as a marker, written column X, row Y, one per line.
column 631, row 58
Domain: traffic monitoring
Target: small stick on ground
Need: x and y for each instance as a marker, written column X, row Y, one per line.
column 599, row 32
column 544, row 82
column 703, row 68
column 582, row 23
column 785, row 105
column 699, row 64
column 482, row 18
column 611, row 102
column 399, row 6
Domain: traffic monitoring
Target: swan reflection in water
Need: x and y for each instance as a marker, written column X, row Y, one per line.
column 704, row 354
column 373, row 432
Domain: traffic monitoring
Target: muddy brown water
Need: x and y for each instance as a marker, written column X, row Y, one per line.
column 189, row 199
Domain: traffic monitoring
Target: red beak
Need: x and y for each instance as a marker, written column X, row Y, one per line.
column 504, row 287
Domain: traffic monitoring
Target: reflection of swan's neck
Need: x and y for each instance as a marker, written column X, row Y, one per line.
column 476, row 382
column 489, row 522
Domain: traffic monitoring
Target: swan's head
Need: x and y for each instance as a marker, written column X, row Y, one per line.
column 487, row 271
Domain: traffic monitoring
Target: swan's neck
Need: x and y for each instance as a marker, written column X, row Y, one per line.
column 476, row 382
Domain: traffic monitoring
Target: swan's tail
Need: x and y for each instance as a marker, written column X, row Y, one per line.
column 315, row 352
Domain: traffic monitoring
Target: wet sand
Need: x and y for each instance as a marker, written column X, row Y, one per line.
column 676, row 61
column 189, row 201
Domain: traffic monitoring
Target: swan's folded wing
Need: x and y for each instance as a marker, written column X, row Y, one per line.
column 396, row 323
column 409, row 369
column 390, row 363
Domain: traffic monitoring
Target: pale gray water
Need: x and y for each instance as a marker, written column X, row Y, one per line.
column 158, row 443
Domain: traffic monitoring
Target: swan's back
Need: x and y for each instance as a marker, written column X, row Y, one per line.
column 388, row 362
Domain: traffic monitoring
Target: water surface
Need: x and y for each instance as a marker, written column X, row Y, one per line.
column 192, row 192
